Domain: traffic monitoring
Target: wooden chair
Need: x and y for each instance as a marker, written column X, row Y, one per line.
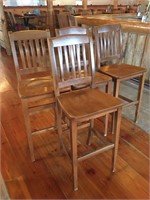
column 35, row 87
column 41, row 22
column 72, row 20
column 12, row 24
column 82, row 105
column 100, row 78
column 63, row 20
column 108, row 41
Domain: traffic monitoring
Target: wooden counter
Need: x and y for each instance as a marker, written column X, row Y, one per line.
column 136, row 37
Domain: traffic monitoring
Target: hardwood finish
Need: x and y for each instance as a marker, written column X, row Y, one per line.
column 35, row 87
column 100, row 78
column 69, row 55
column 50, row 176
column 127, row 24
column 71, row 30
column 108, row 41
column 63, row 20
column 136, row 37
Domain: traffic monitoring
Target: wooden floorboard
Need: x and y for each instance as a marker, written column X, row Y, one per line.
column 50, row 176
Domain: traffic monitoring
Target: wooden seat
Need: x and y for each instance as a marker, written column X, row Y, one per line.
column 35, row 87
column 82, row 105
column 108, row 41
column 100, row 78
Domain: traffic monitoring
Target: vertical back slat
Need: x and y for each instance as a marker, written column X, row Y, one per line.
column 43, row 52
column 27, row 54
column 84, row 59
column 72, row 59
column 33, row 53
column 21, row 51
column 38, row 52
column 66, row 61
column 61, row 63
column 79, row 60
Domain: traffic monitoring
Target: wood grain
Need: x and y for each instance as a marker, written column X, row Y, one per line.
column 50, row 176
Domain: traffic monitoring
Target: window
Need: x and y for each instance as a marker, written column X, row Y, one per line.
column 24, row 2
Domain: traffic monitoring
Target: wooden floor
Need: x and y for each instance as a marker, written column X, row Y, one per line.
column 50, row 176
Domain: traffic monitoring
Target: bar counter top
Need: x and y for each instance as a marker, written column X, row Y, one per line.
column 129, row 22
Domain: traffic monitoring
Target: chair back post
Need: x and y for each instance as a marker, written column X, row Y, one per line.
column 14, row 53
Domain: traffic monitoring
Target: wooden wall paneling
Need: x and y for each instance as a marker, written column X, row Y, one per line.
column 124, row 43
column 139, row 48
column 145, row 62
column 132, row 37
column 136, row 50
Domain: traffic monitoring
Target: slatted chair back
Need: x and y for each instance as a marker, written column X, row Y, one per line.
column 108, row 39
column 30, row 52
column 69, row 55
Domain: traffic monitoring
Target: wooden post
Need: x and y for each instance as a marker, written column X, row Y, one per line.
column 115, row 3
column 84, row 4
column 50, row 17
column 4, row 39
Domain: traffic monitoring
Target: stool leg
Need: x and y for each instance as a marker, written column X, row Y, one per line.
column 59, row 125
column 116, row 88
column 139, row 98
column 90, row 131
column 117, row 133
column 28, row 127
column 107, row 90
column 74, row 154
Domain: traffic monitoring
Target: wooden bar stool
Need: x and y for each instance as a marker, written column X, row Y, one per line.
column 100, row 78
column 108, row 41
column 35, row 86
column 82, row 105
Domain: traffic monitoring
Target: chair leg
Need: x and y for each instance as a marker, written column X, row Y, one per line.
column 73, row 126
column 28, row 127
column 116, row 88
column 139, row 98
column 117, row 119
column 115, row 94
column 108, row 90
column 108, row 87
column 106, row 124
column 59, row 125
column 90, row 132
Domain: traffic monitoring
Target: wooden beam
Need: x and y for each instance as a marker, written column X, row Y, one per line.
column 115, row 3
column 50, row 17
column 84, row 4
